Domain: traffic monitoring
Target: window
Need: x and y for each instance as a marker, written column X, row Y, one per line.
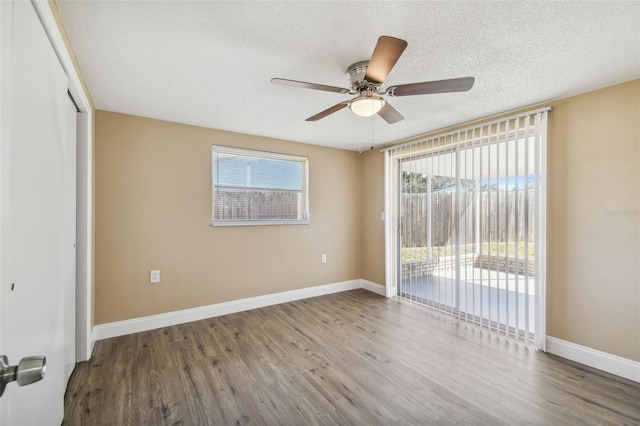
column 259, row 188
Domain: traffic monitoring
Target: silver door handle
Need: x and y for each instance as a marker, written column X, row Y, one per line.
column 29, row 370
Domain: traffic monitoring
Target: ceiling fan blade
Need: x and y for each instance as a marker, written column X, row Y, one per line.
column 305, row 85
column 390, row 114
column 428, row 87
column 384, row 57
column 328, row 111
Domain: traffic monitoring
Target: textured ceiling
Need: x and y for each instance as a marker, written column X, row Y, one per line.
column 209, row 63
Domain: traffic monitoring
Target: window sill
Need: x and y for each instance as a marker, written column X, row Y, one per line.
column 261, row 223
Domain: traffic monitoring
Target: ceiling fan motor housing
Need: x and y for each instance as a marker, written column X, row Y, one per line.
column 356, row 74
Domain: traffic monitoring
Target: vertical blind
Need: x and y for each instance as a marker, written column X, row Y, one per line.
column 466, row 224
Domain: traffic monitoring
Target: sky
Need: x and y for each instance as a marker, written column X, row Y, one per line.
column 257, row 172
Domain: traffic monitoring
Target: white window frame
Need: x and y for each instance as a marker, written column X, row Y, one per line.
column 304, row 214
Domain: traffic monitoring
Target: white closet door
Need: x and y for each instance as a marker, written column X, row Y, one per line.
column 37, row 223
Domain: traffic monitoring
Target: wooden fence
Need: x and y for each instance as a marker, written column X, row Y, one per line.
column 502, row 216
column 256, row 205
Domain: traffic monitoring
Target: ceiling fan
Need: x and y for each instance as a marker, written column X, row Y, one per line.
column 366, row 77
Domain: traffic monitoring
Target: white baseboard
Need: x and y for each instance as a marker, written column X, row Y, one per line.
column 613, row 364
column 604, row 361
column 373, row 287
column 136, row 325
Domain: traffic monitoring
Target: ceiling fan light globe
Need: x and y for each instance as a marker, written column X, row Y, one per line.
column 366, row 106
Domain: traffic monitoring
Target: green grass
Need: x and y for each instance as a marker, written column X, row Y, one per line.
column 501, row 249
column 493, row 248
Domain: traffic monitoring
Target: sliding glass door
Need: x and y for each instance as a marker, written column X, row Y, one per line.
column 469, row 215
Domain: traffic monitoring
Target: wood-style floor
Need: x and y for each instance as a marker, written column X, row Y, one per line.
column 348, row 358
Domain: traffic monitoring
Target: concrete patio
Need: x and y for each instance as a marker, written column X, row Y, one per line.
column 483, row 293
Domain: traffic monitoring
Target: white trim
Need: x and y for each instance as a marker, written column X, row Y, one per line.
column 50, row 25
column 604, row 361
column 85, row 337
column 390, row 218
column 373, row 287
column 136, row 325
column 540, row 244
column 83, row 241
column 262, row 223
column 257, row 153
column 303, row 203
column 591, row 357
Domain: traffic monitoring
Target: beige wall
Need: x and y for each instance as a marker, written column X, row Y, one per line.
column 153, row 211
column 593, row 285
column 373, row 268
column 593, row 260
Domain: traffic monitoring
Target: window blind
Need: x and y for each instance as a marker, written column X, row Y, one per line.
column 257, row 187
column 466, row 228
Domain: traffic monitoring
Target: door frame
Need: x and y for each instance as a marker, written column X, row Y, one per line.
column 85, row 337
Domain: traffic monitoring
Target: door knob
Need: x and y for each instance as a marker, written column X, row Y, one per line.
column 29, row 370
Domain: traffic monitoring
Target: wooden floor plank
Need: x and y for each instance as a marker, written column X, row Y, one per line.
column 347, row 358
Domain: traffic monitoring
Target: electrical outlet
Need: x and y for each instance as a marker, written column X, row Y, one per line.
column 154, row 276
column 324, row 258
